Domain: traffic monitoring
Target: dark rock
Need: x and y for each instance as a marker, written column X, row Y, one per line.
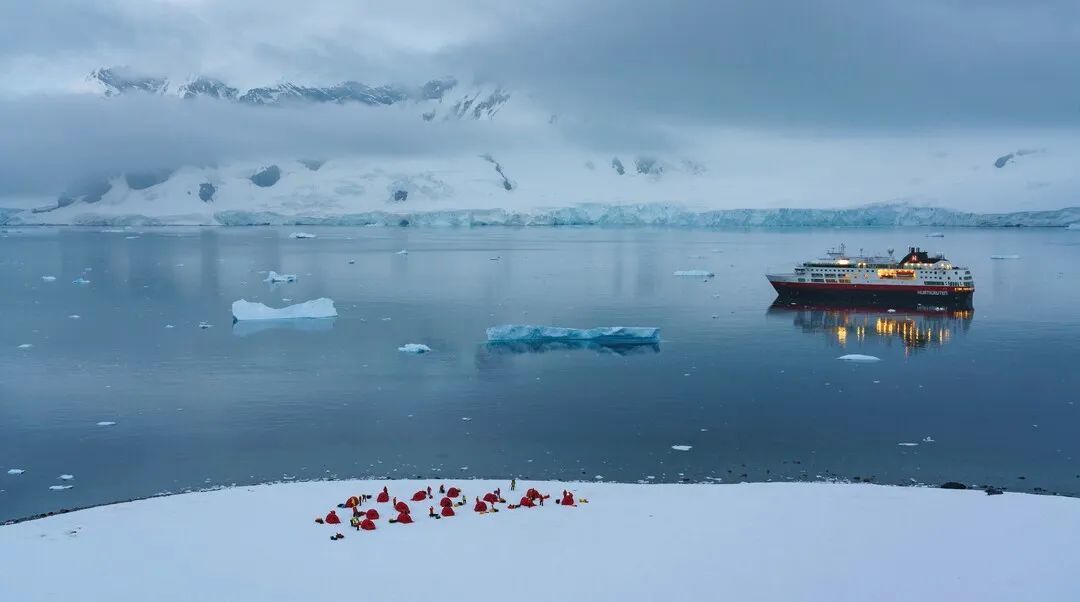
column 401, row 195
column 312, row 164
column 267, row 177
column 993, row 491
column 206, row 192
column 648, row 166
column 953, row 485
column 1002, row 160
column 617, row 165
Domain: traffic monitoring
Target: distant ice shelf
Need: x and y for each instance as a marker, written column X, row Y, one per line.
column 316, row 308
column 607, row 334
column 697, row 273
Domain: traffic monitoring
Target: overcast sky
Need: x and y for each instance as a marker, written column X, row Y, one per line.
column 831, row 67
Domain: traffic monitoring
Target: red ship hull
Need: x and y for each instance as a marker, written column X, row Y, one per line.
column 876, row 294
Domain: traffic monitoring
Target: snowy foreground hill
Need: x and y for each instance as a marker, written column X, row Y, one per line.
column 747, row 542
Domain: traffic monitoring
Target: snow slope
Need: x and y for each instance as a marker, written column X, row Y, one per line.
column 748, row 542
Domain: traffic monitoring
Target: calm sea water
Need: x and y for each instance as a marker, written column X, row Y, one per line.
column 755, row 390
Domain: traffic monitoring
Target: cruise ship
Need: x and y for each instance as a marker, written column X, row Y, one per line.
column 917, row 278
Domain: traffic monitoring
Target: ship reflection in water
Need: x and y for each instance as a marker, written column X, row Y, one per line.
column 916, row 329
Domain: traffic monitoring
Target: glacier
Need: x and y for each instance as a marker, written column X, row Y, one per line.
column 317, row 308
column 610, row 334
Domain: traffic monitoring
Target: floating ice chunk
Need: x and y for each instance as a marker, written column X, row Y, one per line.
column 316, row 308
column 1075, row 226
column 496, row 258
column 928, row 439
column 403, row 252
column 106, row 423
column 414, row 348
column 169, row 326
column 26, row 345
column 857, row 357
column 466, row 418
column 273, row 276
column 697, row 273
column 74, row 317
column 66, row 477
column 936, row 235
column 80, row 280
column 352, row 261
column 682, row 447
column 59, row 487
column 907, row 444
column 49, row 278
column 301, row 235
column 1004, row 257
column 14, row 471
column 205, row 325
column 610, row 334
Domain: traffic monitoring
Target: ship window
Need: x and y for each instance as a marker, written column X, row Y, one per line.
column 816, row 280
column 802, row 279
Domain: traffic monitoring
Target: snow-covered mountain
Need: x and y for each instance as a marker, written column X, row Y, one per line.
column 443, row 98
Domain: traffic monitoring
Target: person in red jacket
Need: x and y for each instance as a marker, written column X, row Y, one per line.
column 332, row 518
column 384, row 496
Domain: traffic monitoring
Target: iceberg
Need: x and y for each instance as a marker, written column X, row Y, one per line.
column 106, row 423
column 682, row 447
column 49, row 278
column 80, row 280
column 252, row 327
column 59, row 487
column 935, row 235
column 26, row 345
column 301, row 235
column 1075, row 226
column 1004, row 257
column 15, row 471
column 273, row 276
column 857, row 357
column 414, row 348
column 316, row 308
column 403, row 252
column 698, row 273
column 609, row 334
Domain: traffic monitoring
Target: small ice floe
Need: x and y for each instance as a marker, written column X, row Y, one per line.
column 314, row 309
column 59, row 487
column 908, row 444
column 49, row 278
column 351, row 261
column 696, row 273
column 1004, row 257
column 414, row 348
column 205, row 325
column 66, row 477
column 301, row 235
column 403, row 252
column 928, row 439
column 858, row 357
column 936, row 235
column 131, row 237
column 15, row 471
column 26, row 345
column 495, row 258
column 106, row 423
column 682, row 447
column 606, row 334
column 80, row 280
column 273, row 276
column 466, row 418
column 169, row 326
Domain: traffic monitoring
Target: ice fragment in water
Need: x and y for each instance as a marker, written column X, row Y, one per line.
column 49, row 278
column 15, row 471
column 856, row 357
column 301, row 235
column 682, row 447
column 314, row 309
column 273, row 276
column 414, row 348
column 106, row 423
column 698, row 273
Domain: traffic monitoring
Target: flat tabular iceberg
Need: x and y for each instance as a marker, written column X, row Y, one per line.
column 858, row 357
column 273, row 276
column 301, row 235
column 698, row 273
column 316, row 308
column 414, row 348
column 609, row 334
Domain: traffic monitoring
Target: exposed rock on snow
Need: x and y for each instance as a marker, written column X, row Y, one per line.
column 612, row 334
column 617, row 165
column 273, row 276
column 414, row 348
column 266, row 177
column 857, row 357
column 698, row 273
column 314, row 309
column 206, row 192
